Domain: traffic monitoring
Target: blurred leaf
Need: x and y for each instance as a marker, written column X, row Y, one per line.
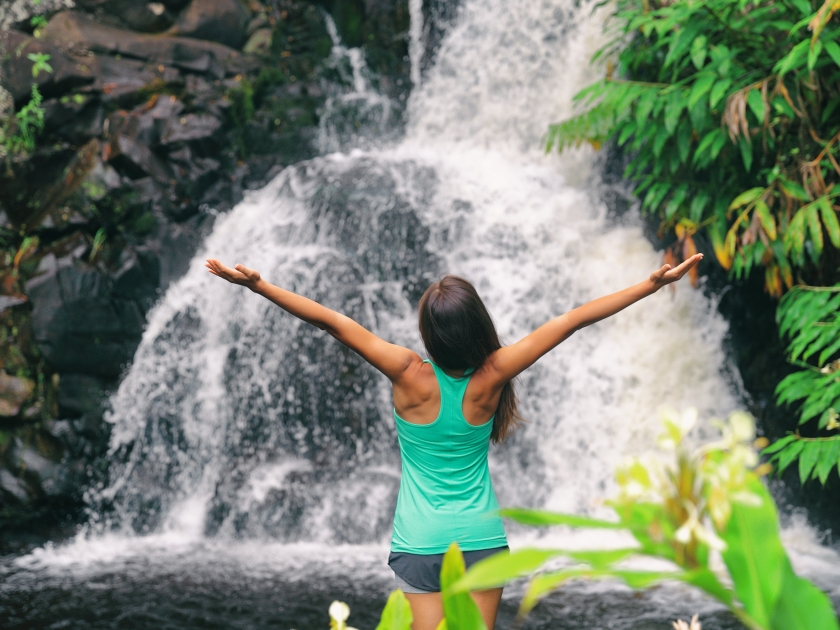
column 459, row 609
column 754, row 554
column 543, row 518
column 500, row 568
column 397, row 613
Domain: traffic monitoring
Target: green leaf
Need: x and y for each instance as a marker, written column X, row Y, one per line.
column 814, row 227
column 397, row 613
column 813, row 53
column 789, row 454
column 795, row 234
column 676, row 104
column 746, row 152
column 754, row 554
column 807, row 459
column 542, row 518
column 756, row 104
column 793, row 189
column 778, row 445
column 459, row 609
column 698, row 51
column 746, row 197
column 829, row 458
column 662, row 135
column 698, row 204
column 833, row 50
column 802, row 606
column 766, row 219
column 829, row 218
column 502, row 567
column 719, row 91
column 706, row 580
column 700, row 88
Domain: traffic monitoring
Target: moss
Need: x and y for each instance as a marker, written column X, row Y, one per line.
column 349, row 16
column 242, row 111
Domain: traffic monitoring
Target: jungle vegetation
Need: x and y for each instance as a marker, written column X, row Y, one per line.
column 729, row 114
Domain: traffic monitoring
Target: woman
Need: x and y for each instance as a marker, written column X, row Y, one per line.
column 447, row 410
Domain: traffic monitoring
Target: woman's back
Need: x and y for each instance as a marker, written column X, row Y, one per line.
column 446, row 493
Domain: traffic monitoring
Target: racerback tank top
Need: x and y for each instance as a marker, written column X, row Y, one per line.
column 446, row 494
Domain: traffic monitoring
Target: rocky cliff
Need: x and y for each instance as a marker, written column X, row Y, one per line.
column 126, row 126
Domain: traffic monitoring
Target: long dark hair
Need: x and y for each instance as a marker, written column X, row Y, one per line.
column 458, row 333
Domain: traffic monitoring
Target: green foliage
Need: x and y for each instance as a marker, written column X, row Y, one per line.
column 30, row 123
column 397, row 613
column 679, row 510
column 242, row 111
column 810, row 318
column 39, row 63
column 730, row 111
column 459, row 610
column 38, row 23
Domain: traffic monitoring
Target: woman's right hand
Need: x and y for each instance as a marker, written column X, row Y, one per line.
column 239, row 274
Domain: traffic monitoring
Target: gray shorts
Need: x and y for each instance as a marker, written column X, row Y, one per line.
column 405, row 587
column 419, row 573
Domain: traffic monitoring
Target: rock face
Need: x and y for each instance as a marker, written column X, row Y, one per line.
column 156, row 116
column 222, row 21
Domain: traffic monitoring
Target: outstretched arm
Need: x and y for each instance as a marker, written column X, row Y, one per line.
column 390, row 359
column 509, row 361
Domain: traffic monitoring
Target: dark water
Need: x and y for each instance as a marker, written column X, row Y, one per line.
column 272, row 586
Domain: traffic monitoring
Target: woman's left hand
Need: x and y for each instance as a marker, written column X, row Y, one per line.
column 240, row 274
column 666, row 274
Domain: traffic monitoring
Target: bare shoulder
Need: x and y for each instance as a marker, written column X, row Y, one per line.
column 416, row 393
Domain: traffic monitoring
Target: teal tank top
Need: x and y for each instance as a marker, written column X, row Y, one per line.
column 446, row 494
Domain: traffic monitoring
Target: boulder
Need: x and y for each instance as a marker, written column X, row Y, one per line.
column 136, row 160
column 223, row 21
column 13, row 486
column 125, row 80
column 80, row 394
column 14, row 391
column 259, row 43
column 80, row 33
column 190, row 127
column 10, row 301
column 79, row 326
column 16, row 67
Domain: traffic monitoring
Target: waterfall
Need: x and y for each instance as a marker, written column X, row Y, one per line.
column 236, row 420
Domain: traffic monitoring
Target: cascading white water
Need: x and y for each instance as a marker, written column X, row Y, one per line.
column 237, row 419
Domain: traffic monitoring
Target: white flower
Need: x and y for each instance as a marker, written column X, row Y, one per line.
column 677, row 425
column 339, row 611
column 679, row 624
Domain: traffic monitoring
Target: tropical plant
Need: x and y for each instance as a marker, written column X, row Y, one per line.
column 30, row 123
column 728, row 111
column 39, row 63
column 810, row 318
column 680, row 510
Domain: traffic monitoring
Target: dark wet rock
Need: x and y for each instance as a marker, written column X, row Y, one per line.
column 10, row 301
column 80, row 394
column 222, row 21
column 14, row 391
column 190, row 127
column 80, row 34
column 138, row 15
column 128, row 80
column 138, row 278
column 79, row 325
column 16, row 67
column 137, row 160
column 259, row 43
column 13, row 486
column 86, row 125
